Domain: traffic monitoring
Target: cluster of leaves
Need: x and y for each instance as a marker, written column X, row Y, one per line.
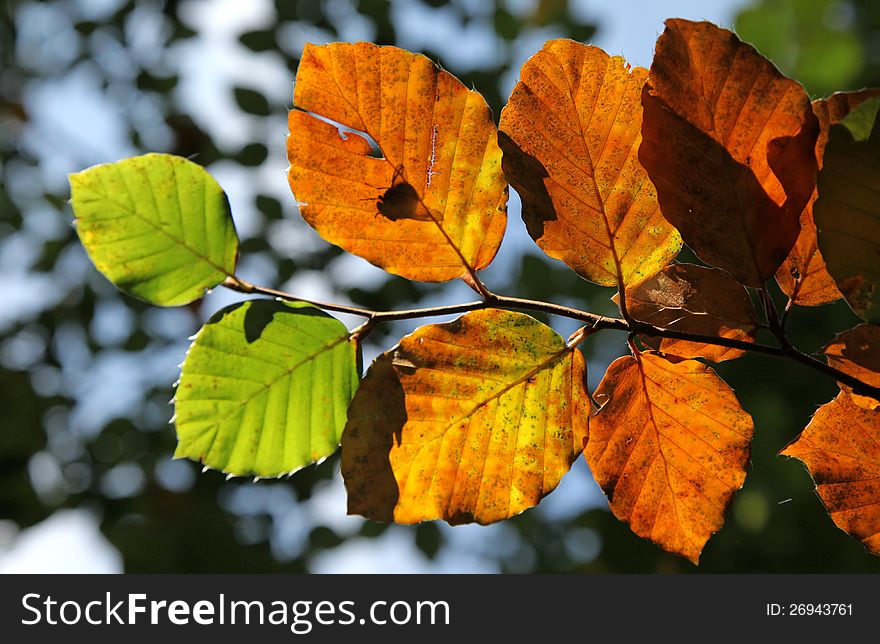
column 478, row 419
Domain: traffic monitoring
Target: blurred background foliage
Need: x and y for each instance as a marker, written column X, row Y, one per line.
column 86, row 373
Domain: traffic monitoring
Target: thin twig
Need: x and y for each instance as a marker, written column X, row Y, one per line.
column 774, row 321
column 594, row 323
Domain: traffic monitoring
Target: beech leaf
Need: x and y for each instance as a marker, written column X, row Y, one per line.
column 847, row 211
column 570, row 134
column 264, row 389
column 669, row 447
column 158, row 226
column 855, row 352
column 433, row 202
column 729, row 142
column 841, row 448
column 694, row 299
column 474, row 420
column 803, row 276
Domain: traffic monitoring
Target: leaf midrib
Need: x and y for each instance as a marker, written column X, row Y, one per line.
column 494, row 396
column 266, row 386
column 332, row 73
column 179, row 242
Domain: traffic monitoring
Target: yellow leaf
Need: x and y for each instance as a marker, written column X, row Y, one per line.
column 474, row 420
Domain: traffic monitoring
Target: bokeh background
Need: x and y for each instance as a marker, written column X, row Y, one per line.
column 87, row 482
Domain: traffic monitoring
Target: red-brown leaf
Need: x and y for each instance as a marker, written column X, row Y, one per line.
column 694, row 299
column 857, row 352
column 729, row 144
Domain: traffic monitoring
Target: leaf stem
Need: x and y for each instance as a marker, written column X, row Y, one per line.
column 593, row 321
column 774, row 321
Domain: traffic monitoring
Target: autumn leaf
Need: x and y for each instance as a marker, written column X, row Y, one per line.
column 431, row 205
column 729, row 143
column 694, row 299
column 855, row 352
column 158, row 226
column 264, row 389
column 669, row 447
column 847, row 211
column 570, row 134
column 841, row 448
column 474, row 420
column 803, row 276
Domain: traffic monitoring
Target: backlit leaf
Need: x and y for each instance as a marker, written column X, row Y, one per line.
column 436, row 201
column 158, row 226
column 847, row 211
column 841, row 448
column 690, row 298
column 729, row 143
column 803, row 276
column 474, row 420
column 570, row 135
column 669, row 447
column 264, row 388
column 857, row 352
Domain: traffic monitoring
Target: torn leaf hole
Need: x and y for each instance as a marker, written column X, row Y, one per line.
column 345, row 131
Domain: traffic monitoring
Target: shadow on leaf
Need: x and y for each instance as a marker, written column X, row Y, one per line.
column 375, row 423
column 528, row 176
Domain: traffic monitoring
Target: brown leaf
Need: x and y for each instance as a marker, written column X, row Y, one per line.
column 570, row 135
column 841, row 448
column 474, row 420
column 729, row 144
column 435, row 202
column 694, row 299
column 847, row 211
column 669, row 447
column 803, row 276
column 857, row 352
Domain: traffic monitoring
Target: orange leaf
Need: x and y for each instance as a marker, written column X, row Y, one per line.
column 570, row 135
column 857, row 352
column 474, row 420
column 729, row 144
column 669, row 447
column 803, row 276
column 841, row 448
column 435, row 204
column 694, row 299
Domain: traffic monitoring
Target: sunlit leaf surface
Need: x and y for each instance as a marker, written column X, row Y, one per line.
column 474, row 420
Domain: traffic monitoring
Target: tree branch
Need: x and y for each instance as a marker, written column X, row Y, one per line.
column 595, row 323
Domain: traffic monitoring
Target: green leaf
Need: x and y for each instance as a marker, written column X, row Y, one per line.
column 860, row 121
column 158, row 226
column 265, row 388
column 847, row 211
